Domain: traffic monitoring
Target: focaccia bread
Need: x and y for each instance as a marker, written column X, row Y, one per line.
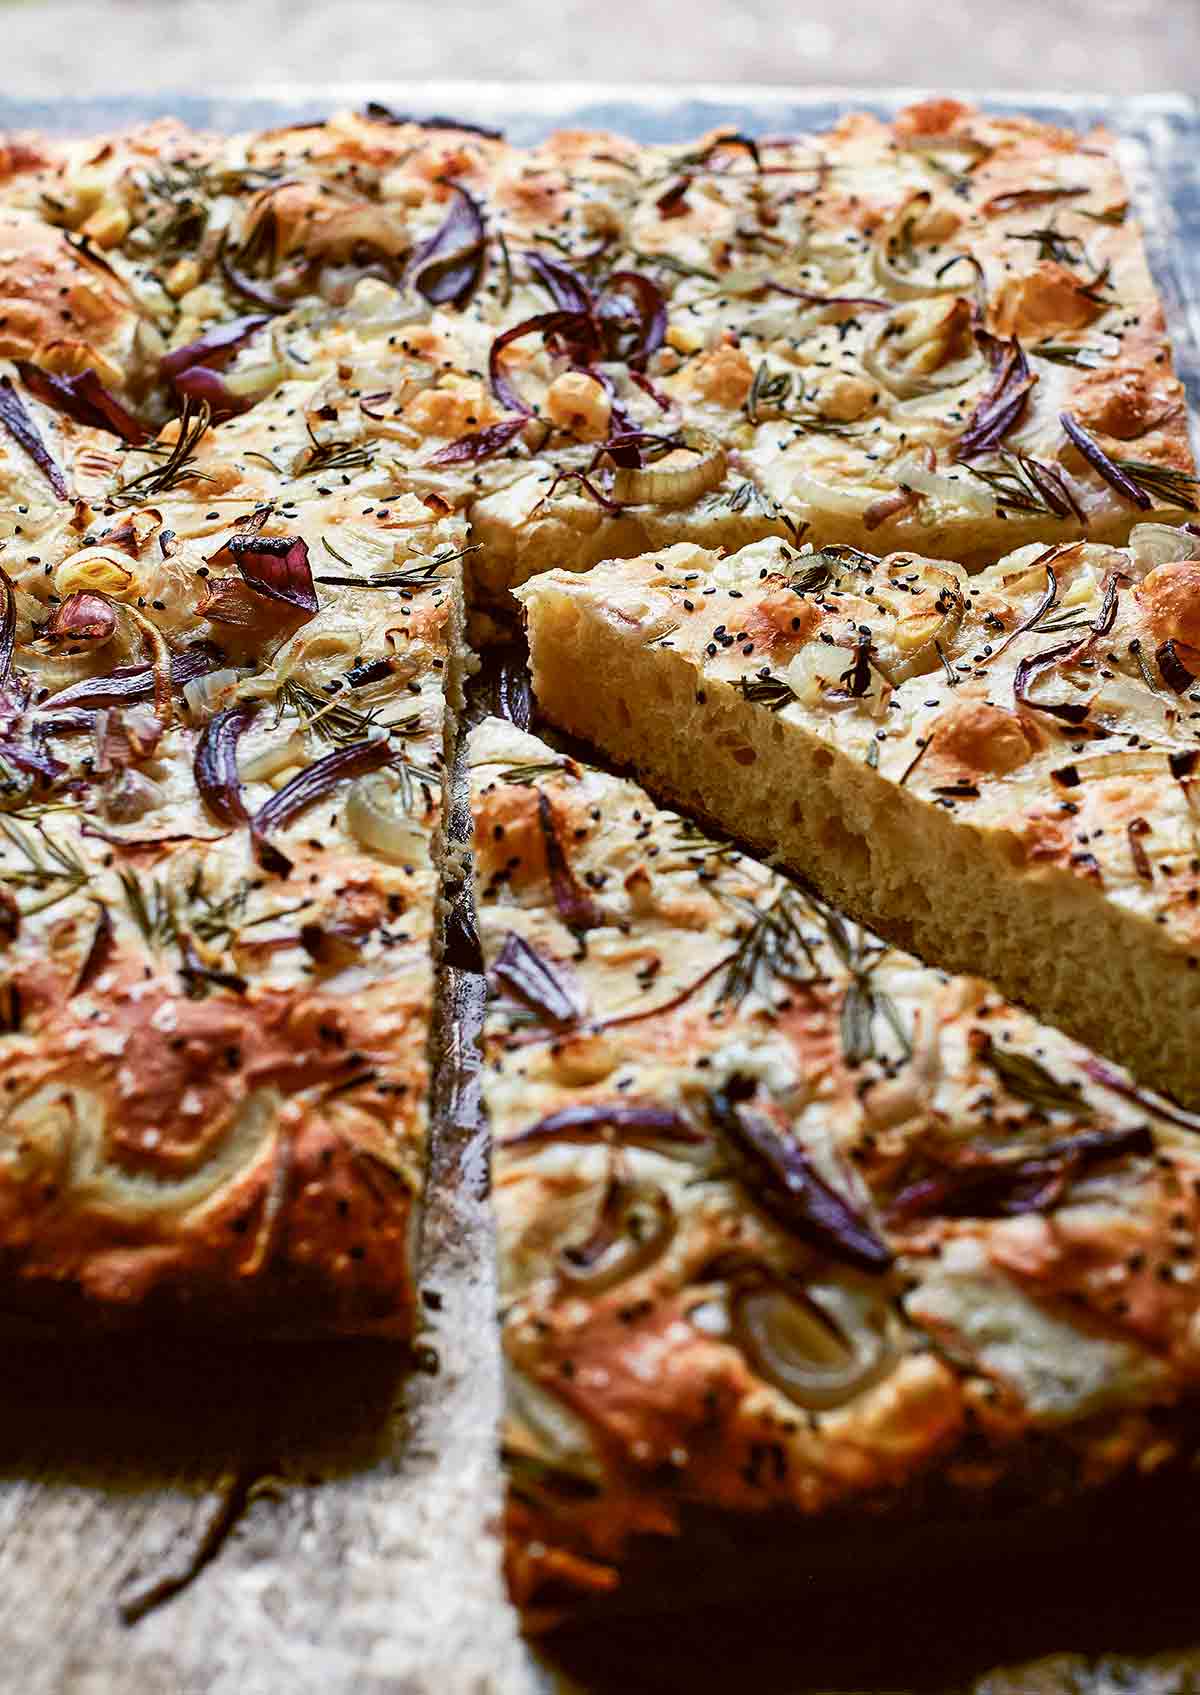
column 995, row 771
column 227, row 684
column 787, row 1220
column 940, row 332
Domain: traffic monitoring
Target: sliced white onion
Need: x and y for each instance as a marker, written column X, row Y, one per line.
column 557, row 1433
column 207, row 694
column 678, row 479
column 1160, row 544
column 279, row 756
column 960, row 489
column 848, row 502
column 907, row 284
column 374, row 819
column 905, row 382
column 821, row 1347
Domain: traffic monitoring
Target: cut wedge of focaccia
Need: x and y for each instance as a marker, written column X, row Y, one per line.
column 224, row 722
column 787, row 1220
column 996, row 771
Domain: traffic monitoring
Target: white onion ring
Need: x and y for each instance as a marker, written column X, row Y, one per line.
column 662, row 485
column 821, row 1346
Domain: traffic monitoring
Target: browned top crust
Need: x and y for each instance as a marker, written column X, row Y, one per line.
column 786, row 1219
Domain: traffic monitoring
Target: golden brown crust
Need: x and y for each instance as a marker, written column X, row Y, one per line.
column 646, row 1269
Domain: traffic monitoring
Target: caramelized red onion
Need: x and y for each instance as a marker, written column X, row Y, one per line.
column 1004, row 1188
column 276, row 567
column 1001, row 407
column 308, row 786
column 1100, row 462
column 645, row 327
column 99, row 952
column 16, row 420
column 8, row 626
column 621, row 1121
column 536, row 981
column 567, row 289
column 1071, row 712
column 479, row 445
column 542, row 323
column 215, row 766
column 448, row 268
column 128, row 683
column 781, row 1178
column 83, row 398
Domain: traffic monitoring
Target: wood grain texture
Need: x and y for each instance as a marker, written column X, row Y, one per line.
column 366, row 1557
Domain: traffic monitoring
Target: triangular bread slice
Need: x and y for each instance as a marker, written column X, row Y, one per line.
column 995, row 771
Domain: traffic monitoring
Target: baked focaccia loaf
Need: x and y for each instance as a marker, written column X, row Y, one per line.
column 787, row 1220
column 938, row 332
column 228, row 667
column 995, row 771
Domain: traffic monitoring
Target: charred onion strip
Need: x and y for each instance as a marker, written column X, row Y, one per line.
column 472, row 449
column 83, row 398
column 999, row 1188
column 310, row 785
column 215, row 766
column 21, row 427
column 535, row 981
column 1104, row 1074
column 576, row 907
column 779, row 1175
column 1100, row 462
column 624, row 1121
column 276, row 567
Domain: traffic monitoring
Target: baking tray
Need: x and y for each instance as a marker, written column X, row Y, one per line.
column 323, row 1519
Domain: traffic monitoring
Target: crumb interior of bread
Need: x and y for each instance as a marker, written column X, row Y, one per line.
column 955, row 896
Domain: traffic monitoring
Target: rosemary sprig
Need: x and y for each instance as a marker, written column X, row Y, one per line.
column 179, row 464
column 1028, row 1079
column 1065, row 353
column 420, row 576
column 1053, row 243
column 774, row 947
column 331, row 718
column 333, row 456
column 767, row 690
column 526, row 776
column 54, row 869
column 1164, row 483
column 152, row 908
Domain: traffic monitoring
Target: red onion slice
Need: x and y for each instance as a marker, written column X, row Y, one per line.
column 215, row 766
column 214, row 349
column 83, row 398
column 536, row 982
column 1099, row 461
column 310, row 785
column 21, row 427
column 448, row 268
column 274, row 566
column 779, row 1175
column 480, row 444
column 625, row 1121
